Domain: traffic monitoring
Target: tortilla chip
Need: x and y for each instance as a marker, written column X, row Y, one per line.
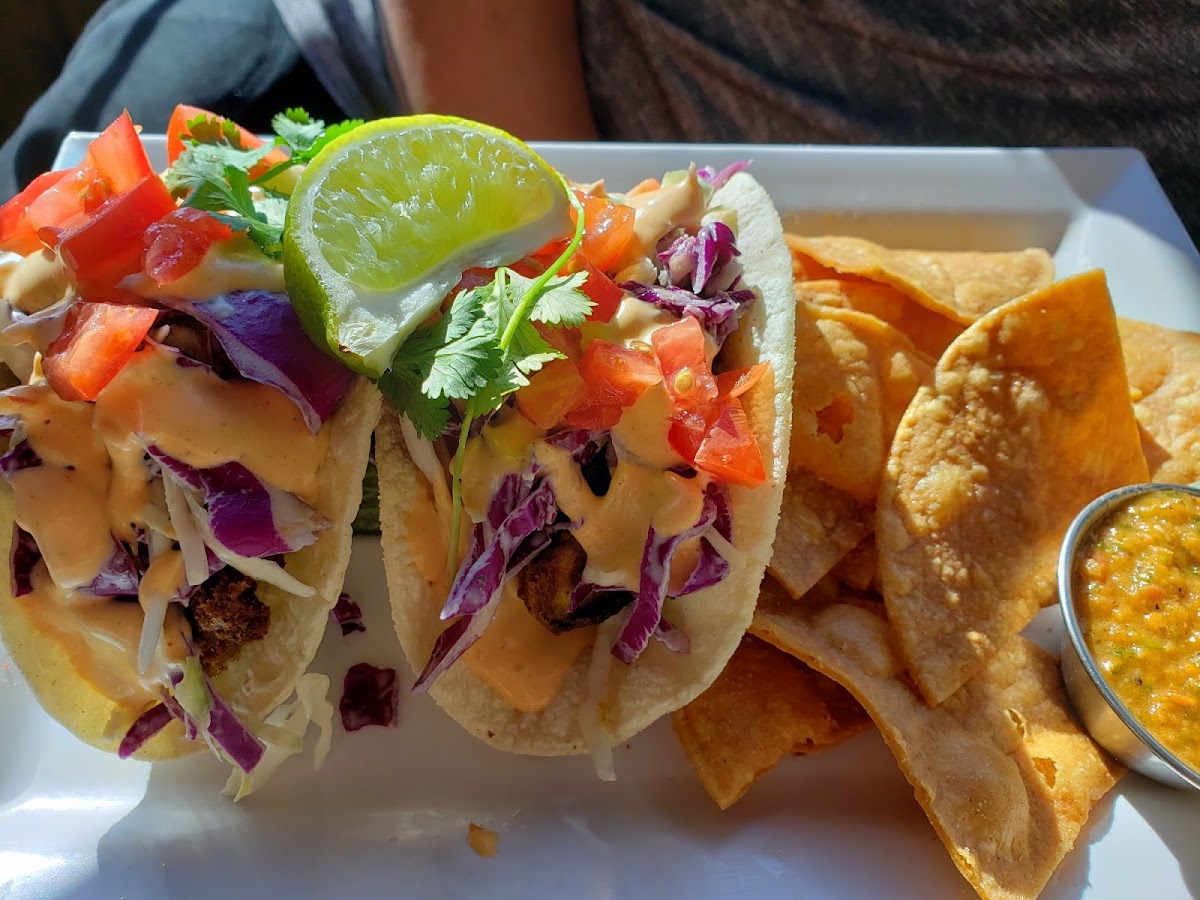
column 859, row 569
column 983, row 281
column 1003, row 771
column 804, row 267
column 1164, row 383
column 958, row 285
column 855, row 375
column 818, row 524
column 929, row 332
column 763, row 706
column 1027, row 419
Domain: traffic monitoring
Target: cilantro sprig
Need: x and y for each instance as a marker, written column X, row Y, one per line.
column 217, row 173
column 484, row 348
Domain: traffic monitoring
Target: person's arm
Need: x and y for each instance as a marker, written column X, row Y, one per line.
column 514, row 64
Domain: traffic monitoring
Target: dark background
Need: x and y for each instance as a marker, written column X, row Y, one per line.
column 38, row 34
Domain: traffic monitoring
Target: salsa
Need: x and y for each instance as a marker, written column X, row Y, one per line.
column 1138, row 584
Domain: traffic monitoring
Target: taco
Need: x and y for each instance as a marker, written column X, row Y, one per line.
column 620, row 507
column 182, row 467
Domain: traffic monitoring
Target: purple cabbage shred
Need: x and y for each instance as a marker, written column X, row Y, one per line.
column 347, row 614
column 148, row 724
column 24, row 556
column 370, row 696
column 717, row 178
column 262, row 337
column 246, row 515
column 645, row 618
column 717, row 314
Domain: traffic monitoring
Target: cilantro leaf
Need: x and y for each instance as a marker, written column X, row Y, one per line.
column 563, row 304
column 305, row 136
column 297, row 129
column 403, row 389
column 207, row 129
column 230, row 200
column 454, row 358
column 202, row 164
column 527, row 352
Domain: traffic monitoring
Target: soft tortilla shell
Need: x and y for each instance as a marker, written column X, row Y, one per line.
column 264, row 674
column 714, row 619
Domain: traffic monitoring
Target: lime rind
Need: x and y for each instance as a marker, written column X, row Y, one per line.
column 387, row 218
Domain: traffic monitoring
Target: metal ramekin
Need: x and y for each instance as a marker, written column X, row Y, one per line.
column 1102, row 712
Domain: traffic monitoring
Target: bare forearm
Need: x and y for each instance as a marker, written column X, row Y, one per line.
column 512, row 63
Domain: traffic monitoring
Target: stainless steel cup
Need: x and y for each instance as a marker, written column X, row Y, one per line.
column 1102, row 712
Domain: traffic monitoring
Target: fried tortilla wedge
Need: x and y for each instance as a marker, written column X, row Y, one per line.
column 855, row 376
column 762, row 707
column 1003, row 771
column 961, row 286
column 818, row 525
column 930, row 332
column 1026, row 420
column 1164, row 383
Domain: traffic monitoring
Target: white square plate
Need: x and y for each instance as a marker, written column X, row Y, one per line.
column 388, row 814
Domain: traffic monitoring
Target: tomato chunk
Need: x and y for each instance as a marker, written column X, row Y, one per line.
column 730, row 451
column 680, row 351
column 115, row 162
column 615, row 377
column 607, row 230
column 178, row 130
column 552, row 391
column 176, row 243
column 737, row 382
column 687, row 431
column 118, row 155
column 109, row 245
column 604, row 293
column 99, row 338
column 16, row 234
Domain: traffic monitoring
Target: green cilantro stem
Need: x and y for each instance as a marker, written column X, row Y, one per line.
column 538, row 287
column 510, row 330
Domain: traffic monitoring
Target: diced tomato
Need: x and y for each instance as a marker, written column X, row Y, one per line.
column 595, row 417
column 730, row 451
column 536, row 263
column 118, row 155
column 473, row 278
column 109, row 245
column 735, row 383
column 16, row 234
column 566, row 341
column 176, row 243
column 687, row 431
column 114, row 163
column 552, row 391
column 99, row 338
column 615, row 377
column 645, row 186
column 680, row 351
column 607, row 230
column 178, row 131
column 603, row 292
column 67, row 203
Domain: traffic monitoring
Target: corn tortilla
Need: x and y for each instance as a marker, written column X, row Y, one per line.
column 713, row 619
column 1026, row 420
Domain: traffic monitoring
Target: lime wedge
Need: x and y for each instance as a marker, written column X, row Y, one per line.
column 386, row 219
